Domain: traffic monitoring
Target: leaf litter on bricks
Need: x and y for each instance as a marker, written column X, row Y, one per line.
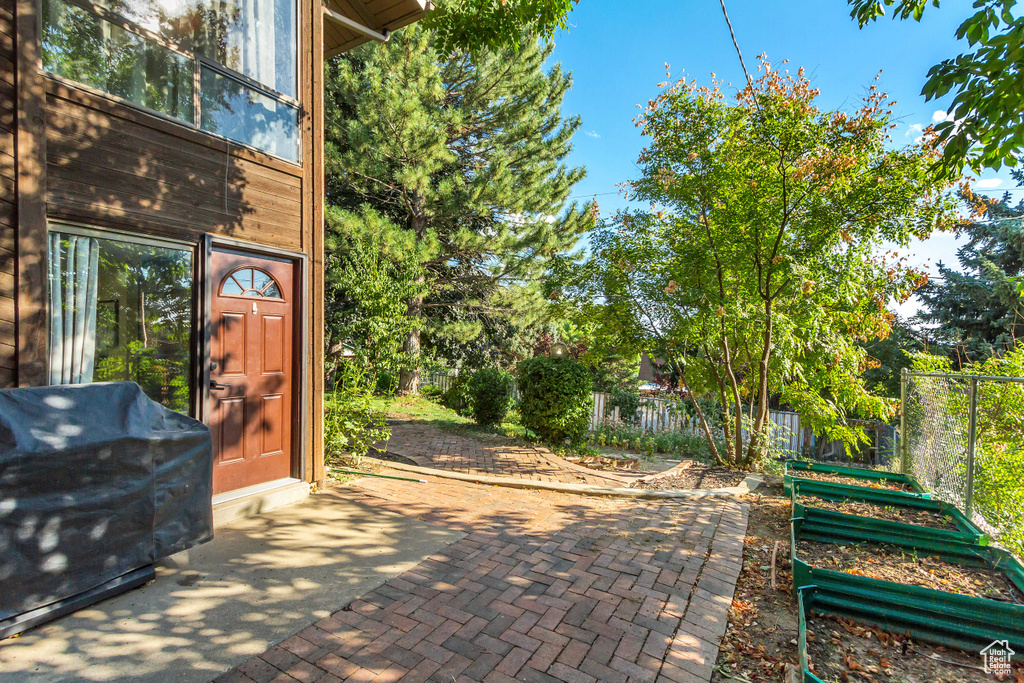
column 761, row 639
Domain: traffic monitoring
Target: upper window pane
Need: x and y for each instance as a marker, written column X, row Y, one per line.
column 80, row 46
column 257, row 38
column 241, row 113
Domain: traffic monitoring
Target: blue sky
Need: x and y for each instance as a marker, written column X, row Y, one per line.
column 617, row 52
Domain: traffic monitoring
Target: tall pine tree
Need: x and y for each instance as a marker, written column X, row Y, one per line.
column 468, row 155
column 978, row 308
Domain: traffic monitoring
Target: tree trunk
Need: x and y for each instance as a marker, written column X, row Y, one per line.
column 737, row 401
column 409, row 378
column 731, row 454
column 708, row 434
column 762, row 385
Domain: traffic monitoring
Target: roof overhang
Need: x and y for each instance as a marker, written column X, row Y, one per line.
column 349, row 23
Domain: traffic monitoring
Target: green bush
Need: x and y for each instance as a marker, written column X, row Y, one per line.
column 627, row 402
column 457, row 397
column 999, row 493
column 352, row 420
column 386, row 385
column 491, row 392
column 432, row 392
column 556, row 398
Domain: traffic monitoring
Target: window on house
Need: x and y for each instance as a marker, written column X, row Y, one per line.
column 241, row 113
column 256, row 38
column 121, row 310
column 80, row 46
column 241, row 54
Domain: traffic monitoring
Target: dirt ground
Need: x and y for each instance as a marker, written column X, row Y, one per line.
column 842, row 651
column 763, row 624
column 891, row 563
column 891, row 513
column 852, row 481
column 697, row 476
column 648, row 464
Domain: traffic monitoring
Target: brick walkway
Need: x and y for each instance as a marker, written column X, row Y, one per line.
column 545, row 587
column 428, row 446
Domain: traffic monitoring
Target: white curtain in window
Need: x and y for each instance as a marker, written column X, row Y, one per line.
column 74, row 277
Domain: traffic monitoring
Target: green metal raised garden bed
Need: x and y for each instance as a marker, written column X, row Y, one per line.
column 804, row 598
column 949, row 619
column 831, row 491
column 842, row 527
column 794, row 467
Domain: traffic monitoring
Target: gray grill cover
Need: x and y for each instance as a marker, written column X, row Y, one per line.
column 95, row 480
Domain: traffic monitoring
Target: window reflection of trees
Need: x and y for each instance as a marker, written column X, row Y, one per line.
column 83, row 46
column 238, row 112
column 80, row 46
column 235, row 34
column 144, row 319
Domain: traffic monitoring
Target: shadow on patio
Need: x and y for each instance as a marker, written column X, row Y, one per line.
column 260, row 580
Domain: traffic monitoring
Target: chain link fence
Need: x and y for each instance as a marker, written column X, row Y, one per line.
column 963, row 439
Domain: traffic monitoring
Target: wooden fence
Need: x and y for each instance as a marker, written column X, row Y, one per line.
column 666, row 414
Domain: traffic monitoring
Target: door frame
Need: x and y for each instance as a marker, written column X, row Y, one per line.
column 300, row 337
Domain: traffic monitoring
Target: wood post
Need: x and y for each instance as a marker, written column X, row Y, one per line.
column 30, row 155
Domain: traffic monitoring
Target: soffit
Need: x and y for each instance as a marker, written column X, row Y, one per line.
column 380, row 16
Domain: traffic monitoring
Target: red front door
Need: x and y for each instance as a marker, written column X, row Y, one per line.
column 251, row 369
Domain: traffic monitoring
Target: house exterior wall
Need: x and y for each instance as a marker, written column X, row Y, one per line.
column 8, row 211
column 71, row 154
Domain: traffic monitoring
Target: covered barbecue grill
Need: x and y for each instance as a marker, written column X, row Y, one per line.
column 97, row 482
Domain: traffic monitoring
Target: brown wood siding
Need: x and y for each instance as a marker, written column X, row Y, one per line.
column 113, row 166
column 8, row 212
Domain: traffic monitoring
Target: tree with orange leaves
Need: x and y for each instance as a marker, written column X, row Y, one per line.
column 759, row 264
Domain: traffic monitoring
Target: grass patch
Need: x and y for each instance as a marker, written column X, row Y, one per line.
column 424, row 410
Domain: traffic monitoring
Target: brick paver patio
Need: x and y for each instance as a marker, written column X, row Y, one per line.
column 545, row 586
column 428, row 446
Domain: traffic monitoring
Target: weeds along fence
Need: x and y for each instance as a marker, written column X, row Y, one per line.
column 665, row 415
column 441, row 380
column 963, row 439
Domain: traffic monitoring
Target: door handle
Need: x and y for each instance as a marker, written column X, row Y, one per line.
column 214, row 385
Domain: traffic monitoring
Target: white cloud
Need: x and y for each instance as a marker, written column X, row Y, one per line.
column 988, row 183
column 917, row 130
column 520, row 219
column 939, row 116
column 592, row 133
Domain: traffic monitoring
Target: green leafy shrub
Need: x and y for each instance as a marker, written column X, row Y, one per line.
column 352, row 423
column 555, row 398
column 491, row 392
column 386, row 384
column 999, row 495
column 627, row 402
column 457, row 397
column 432, row 392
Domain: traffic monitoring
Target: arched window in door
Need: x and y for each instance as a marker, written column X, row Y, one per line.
column 251, row 282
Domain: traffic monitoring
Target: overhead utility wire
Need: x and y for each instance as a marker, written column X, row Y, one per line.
column 735, row 43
